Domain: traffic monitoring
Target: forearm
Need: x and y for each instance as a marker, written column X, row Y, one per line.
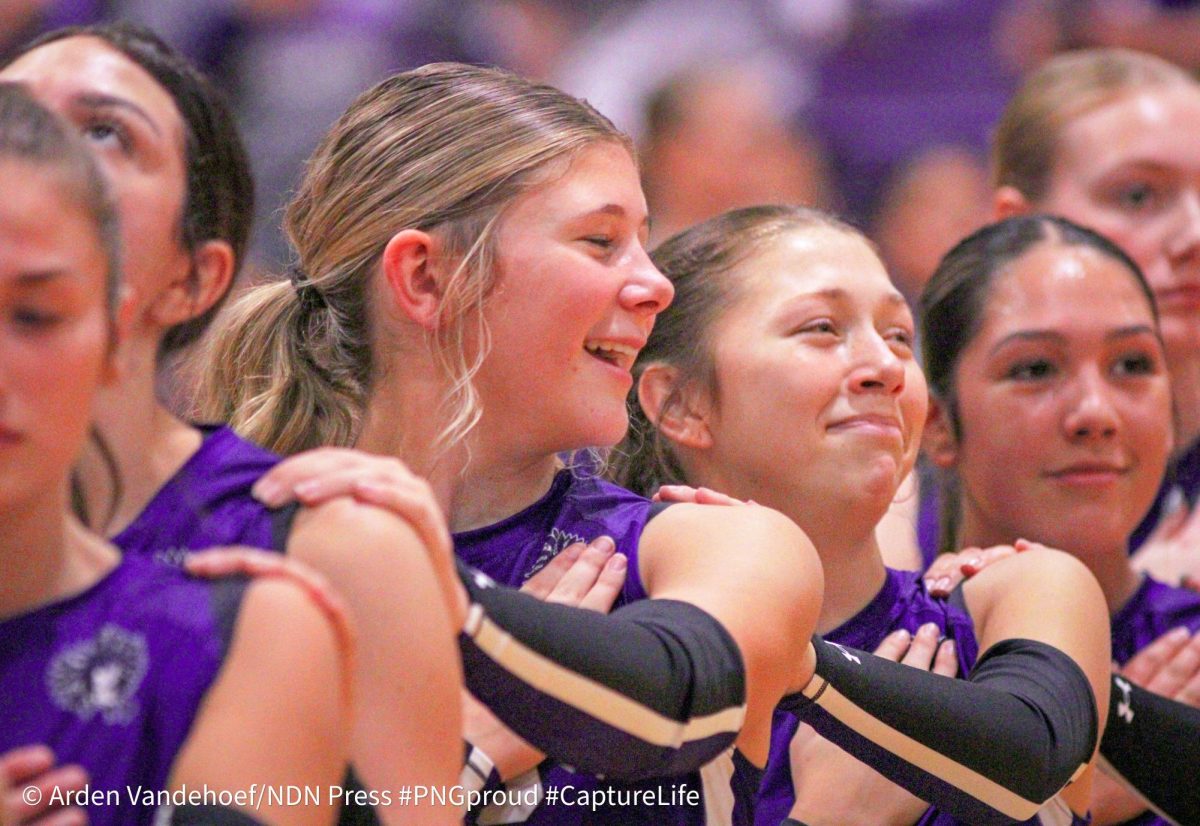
column 656, row 688
column 987, row 750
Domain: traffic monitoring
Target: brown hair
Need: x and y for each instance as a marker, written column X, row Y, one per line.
column 698, row 261
column 1025, row 144
column 444, row 149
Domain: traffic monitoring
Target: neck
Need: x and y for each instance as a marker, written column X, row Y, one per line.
column 476, row 484
column 854, row 573
column 1185, row 387
column 1110, row 566
column 147, row 443
column 47, row 555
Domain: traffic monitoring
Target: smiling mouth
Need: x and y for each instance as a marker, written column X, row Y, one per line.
column 611, row 352
column 1089, row 475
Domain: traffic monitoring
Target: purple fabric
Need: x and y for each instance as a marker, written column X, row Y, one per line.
column 1153, row 610
column 583, row 507
column 207, row 503
column 112, row 678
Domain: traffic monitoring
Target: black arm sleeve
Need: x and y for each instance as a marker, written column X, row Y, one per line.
column 206, row 815
column 1152, row 744
column 654, row 689
column 990, row 749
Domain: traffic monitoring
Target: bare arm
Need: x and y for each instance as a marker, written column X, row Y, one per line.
column 246, row 731
column 408, row 723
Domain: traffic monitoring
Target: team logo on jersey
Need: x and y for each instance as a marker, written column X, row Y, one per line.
column 100, row 675
column 555, row 543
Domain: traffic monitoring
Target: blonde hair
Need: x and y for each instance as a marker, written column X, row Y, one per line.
column 444, row 149
column 1025, row 144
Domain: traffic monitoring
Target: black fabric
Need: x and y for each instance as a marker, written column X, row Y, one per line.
column 1025, row 719
column 282, row 520
column 226, row 596
column 352, row 812
column 667, row 656
column 209, row 816
column 1153, row 743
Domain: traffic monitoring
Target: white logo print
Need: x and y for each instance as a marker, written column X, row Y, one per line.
column 552, row 547
column 1125, row 706
column 847, row 654
column 100, row 675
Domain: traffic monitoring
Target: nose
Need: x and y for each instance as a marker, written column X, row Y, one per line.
column 1184, row 240
column 646, row 290
column 1091, row 415
column 875, row 366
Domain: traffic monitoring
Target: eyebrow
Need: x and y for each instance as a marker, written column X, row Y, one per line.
column 1058, row 338
column 616, row 210
column 98, row 100
column 840, row 294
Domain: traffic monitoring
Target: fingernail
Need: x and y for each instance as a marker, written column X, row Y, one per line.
column 943, row 584
column 269, row 493
column 308, row 487
column 902, row 633
column 573, row 551
column 929, row 584
column 604, row 543
column 1180, row 634
column 929, row 629
column 948, row 645
column 617, row 562
column 973, row 562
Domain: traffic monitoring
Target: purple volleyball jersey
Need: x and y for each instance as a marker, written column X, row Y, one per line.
column 112, row 678
column 207, row 503
column 902, row 602
column 580, row 508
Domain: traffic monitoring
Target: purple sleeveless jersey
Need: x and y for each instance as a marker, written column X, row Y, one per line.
column 581, row 508
column 208, row 503
column 901, row 603
column 1182, row 479
column 112, row 678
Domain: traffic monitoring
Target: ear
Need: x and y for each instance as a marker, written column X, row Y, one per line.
column 200, row 287
column 684, row 422
column 939, row 442
column 1009, row 201
column 408, row 271
column 115, row 367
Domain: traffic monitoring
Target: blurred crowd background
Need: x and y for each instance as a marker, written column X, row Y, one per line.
column 877, row 109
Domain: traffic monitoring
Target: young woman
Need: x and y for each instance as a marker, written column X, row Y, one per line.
column 168, row 146
column 140, row 676
column 1052, row 411
column 1102, row 137
column 470, row 293
column 785, row 374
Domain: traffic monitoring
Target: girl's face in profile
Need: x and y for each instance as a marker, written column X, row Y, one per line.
column 1063, row 404
column 818, row 394
column 575, row 301
column 55, row 331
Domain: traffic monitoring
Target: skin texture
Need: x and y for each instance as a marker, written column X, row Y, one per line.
column 1063, row 397
column 837, row 414
column 1129, row 170
column 573, row 270
column 137, row 139
column 1064, row 408
column 56, row 350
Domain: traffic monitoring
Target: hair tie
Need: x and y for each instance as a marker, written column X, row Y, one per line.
column 310, row 297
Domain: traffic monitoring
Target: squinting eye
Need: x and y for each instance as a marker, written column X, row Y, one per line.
column 902, row 337
column 822, row 326
column 1136, row 196
column 34, row 320
column 1134, row 365
column 1030, row 370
